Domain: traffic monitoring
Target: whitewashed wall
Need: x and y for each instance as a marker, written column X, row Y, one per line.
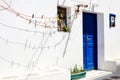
column 22, row 51
column 109, row 48
column 111, row 35
column 40, row 50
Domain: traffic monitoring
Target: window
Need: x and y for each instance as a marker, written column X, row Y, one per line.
column 62, row 19
column 112, row 20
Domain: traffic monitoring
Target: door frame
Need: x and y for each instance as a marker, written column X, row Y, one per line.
column 100, row 38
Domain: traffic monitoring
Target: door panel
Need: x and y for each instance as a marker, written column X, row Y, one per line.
column 90, row 41
column 90, row 45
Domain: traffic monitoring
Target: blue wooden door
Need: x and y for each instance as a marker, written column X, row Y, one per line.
column 89, row 41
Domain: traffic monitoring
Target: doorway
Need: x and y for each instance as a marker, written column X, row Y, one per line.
column 90, row 55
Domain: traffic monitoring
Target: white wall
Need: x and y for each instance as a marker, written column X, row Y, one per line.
column 25, row 48
column 23, row 51
column 108, row 39
column 111, row 37
column 19, row 48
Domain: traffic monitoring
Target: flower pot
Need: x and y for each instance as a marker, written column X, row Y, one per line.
column 79, row 75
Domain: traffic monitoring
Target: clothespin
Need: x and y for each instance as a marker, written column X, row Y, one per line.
column 42, row 16
column 48, row 27
column 35, row 23
column 17, row 14
column 30, row 21
column 45, row 25
column 32, row 15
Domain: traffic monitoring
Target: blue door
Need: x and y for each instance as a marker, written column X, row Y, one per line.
column 89, row 41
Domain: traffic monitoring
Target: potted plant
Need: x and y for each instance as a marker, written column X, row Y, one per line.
column 77, row 72
column 66, row 29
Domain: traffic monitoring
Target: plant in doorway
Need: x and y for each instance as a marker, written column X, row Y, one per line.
column 77, row 72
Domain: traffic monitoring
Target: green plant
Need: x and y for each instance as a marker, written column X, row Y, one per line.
column 76, row 69
column 77, row 72
column 66, row 29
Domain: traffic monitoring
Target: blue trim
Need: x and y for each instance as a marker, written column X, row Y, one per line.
column 111, row 21
column 90, row 57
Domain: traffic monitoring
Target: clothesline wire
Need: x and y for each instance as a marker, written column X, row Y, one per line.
column 28, row 17
column 8, row 8
column 26, row 30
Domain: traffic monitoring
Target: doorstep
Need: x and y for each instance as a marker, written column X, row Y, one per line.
column 96, row 75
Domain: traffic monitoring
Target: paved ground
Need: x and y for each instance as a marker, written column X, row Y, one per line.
column 101, row 75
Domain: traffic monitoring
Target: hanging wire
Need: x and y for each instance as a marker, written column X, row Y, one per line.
column 25, row 30
column 52, row 20
column 23, row 16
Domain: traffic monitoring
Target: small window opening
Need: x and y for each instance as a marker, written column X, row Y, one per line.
column 62, row 19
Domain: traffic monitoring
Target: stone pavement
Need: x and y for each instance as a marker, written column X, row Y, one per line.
column 101, row 75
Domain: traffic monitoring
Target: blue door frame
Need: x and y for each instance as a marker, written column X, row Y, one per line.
column 90, row 58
